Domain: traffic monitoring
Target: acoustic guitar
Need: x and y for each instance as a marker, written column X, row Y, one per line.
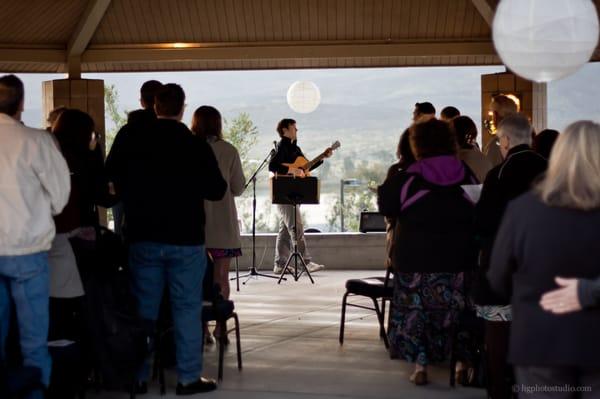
column 305, row 164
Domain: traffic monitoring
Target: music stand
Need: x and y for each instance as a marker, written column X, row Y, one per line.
column 253, row 270
column 287, row 190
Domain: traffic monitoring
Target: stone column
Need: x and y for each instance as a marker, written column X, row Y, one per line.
column 532, row 97
column 83, row 94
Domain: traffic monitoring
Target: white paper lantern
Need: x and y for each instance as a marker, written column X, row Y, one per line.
column 303, row 97
column 545, row 40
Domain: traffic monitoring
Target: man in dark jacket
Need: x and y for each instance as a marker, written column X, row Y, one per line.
column 513, row 177
column 139, row 119
column 165, row 173
column 287, row 152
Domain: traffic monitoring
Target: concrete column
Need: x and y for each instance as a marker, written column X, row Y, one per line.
column 83, row 94
column 532, row 97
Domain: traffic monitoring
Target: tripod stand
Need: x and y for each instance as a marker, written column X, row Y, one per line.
column 253, row 270
column 288, row 190
column 295, row 255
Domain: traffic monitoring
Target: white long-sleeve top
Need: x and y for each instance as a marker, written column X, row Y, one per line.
column 34, row 186
column 222, row 229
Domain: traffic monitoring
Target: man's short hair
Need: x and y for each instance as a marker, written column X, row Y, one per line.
column 449, row 112
column 148, row 91
column 432, row 138
column 425, row 108
column 169, row 100
column 12, row 93
column 284, row 124
column 517, row 128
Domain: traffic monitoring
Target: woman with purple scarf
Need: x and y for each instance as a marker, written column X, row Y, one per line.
column 433, row 247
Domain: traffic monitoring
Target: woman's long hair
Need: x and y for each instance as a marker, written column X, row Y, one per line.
column 572, row 178
column 73, row 130
column 207, row 122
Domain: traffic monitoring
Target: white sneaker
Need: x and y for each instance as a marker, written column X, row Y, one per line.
column 314, row 267
column 277, row 269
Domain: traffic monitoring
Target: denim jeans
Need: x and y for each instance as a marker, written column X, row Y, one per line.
column 182, row 268
column 25, row 279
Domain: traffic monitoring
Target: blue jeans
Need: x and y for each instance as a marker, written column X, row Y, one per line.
column 182, row 269
column 25, row 279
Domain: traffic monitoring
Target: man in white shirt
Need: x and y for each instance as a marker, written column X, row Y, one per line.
column 34, row 185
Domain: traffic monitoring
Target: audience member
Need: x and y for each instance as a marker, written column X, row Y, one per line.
column 35, row 185
column 74, row 131
column 544, row 141
column 550, row 231
column 139, row 120
column 392, row 185
column 501, row 107
column 513, row 177
column 423, row 112
column 469, row 153
column 53, row 116
column 222, row 228
column 433, row 212
column 449, row 113
column 165, row 173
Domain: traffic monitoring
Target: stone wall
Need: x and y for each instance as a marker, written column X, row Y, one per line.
column 337, row 251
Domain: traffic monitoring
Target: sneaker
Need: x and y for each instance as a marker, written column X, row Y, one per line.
column 314, row 267
column 277, row 269
column 199, row 386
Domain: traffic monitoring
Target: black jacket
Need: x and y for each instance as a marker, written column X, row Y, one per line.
column 164, row 174
column 434, row 217
column 536, row 243
column 503, row 183
column 287, row 152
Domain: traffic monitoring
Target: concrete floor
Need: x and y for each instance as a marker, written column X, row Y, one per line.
column 290, row 348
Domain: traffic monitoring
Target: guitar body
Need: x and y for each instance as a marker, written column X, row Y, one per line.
column 299, row 163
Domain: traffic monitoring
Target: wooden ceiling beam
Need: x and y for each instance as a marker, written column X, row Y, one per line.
column 32, row 55
column 485, row 10
column 290, row 50
column 83, row 33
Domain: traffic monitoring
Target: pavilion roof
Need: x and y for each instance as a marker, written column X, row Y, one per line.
column 154, row 35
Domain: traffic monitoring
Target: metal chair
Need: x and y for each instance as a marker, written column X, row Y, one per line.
column 375, row 288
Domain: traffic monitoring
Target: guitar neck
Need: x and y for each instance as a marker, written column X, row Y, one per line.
column 310, row 164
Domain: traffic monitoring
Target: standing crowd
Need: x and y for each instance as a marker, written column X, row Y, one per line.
column 495, row 252
column 507, row 236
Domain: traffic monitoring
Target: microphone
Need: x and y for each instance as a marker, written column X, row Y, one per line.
column 274, row 150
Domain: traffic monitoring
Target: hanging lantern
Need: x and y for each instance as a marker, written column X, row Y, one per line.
column 545, row 40
column 303, row 97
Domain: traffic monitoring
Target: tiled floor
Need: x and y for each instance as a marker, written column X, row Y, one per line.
column 291, row 350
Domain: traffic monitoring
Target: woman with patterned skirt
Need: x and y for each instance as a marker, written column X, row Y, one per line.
column 433, row 247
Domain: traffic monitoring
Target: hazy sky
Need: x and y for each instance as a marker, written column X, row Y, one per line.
column 373, row 99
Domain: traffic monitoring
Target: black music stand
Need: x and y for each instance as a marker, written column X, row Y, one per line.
column 253, row 270
column 286, row 190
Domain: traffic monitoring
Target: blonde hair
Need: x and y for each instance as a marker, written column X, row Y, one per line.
column 572, row 177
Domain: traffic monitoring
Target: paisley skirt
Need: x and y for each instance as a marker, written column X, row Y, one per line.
column 425, row 310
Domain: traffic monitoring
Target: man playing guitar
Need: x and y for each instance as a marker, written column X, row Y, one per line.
column 287, row 153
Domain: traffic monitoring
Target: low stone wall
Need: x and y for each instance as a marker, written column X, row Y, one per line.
column 337, row 251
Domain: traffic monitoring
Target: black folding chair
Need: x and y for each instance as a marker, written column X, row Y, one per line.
column 375, row 288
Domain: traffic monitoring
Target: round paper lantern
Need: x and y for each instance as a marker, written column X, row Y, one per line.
column 545, row 40
column 303, row 97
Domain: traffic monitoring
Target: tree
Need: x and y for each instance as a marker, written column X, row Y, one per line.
column 117, row 119
column 243, row 134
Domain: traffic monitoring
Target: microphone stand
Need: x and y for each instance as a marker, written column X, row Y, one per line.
column 253, row 270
